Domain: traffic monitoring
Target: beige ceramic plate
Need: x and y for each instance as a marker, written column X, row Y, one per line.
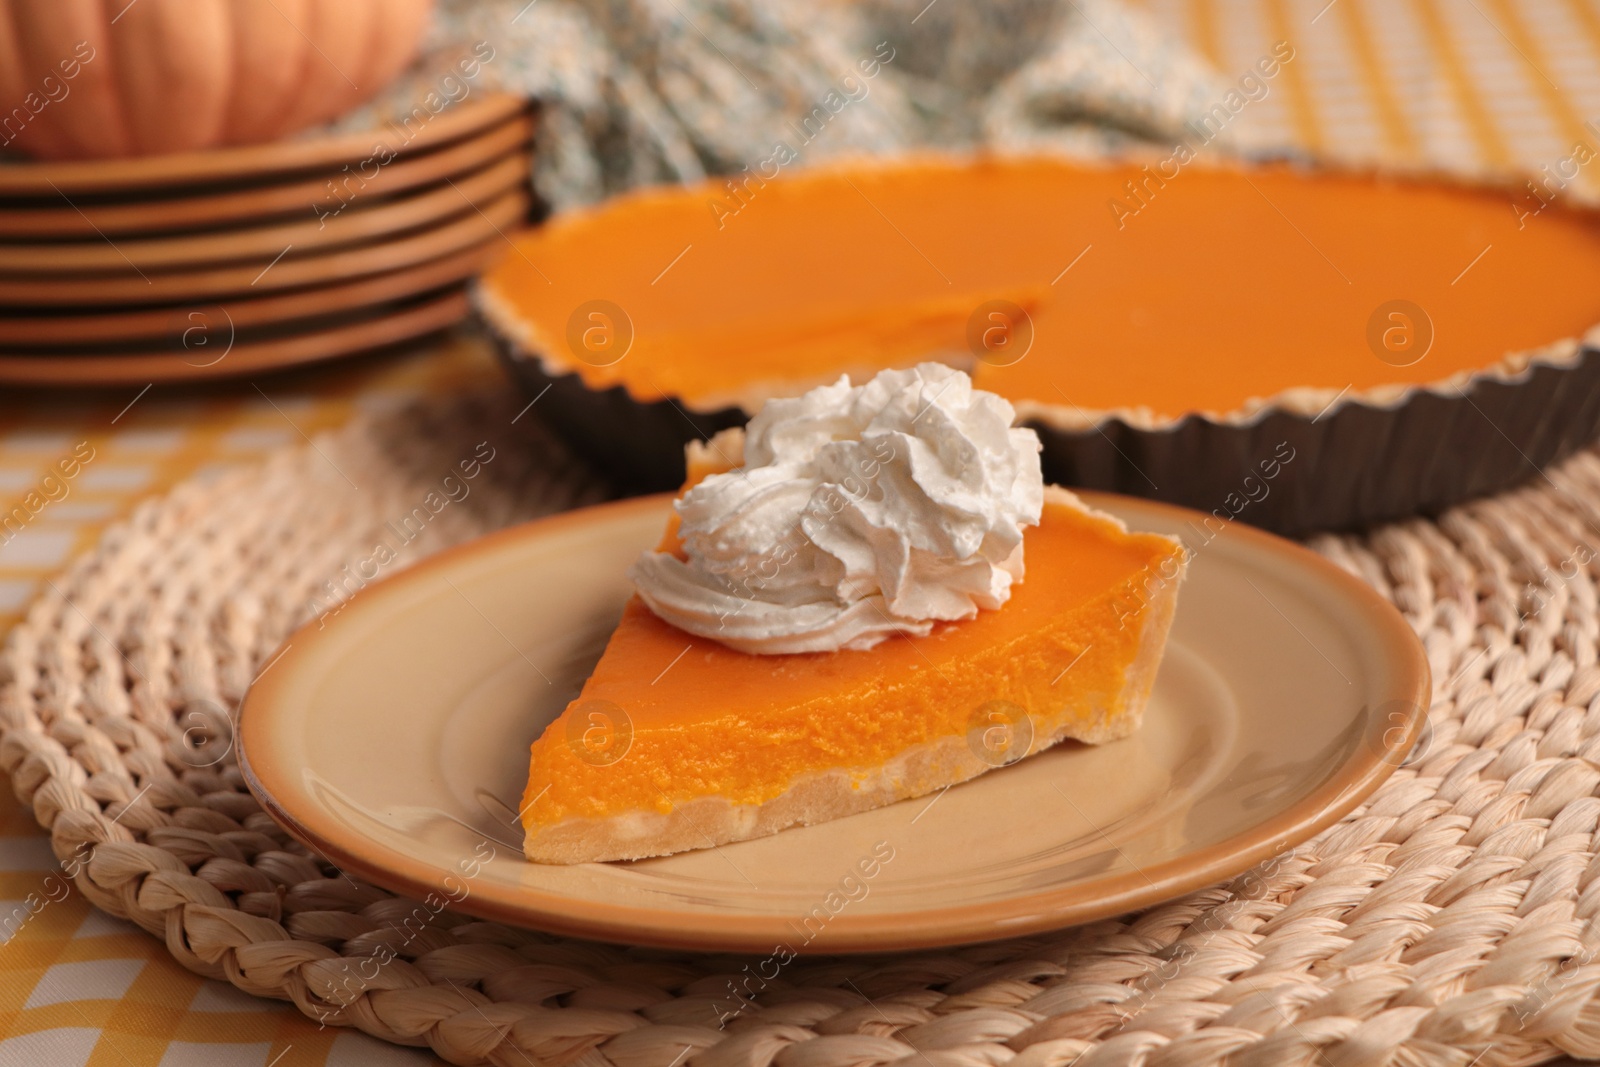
column 394, row 741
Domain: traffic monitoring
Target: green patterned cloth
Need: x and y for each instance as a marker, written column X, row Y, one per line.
column 637, row 92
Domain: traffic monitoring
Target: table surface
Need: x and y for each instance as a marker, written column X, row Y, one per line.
column 1452, row 83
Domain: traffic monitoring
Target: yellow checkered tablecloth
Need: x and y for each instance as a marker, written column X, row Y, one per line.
column 78, row 987
column 1453, row 83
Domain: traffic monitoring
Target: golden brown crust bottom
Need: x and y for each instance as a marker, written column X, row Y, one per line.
column 708, row 821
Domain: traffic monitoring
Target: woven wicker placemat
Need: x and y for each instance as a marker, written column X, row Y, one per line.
column 1447, row 921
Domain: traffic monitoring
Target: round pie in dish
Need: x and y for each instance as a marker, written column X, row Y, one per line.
column 1298, row 348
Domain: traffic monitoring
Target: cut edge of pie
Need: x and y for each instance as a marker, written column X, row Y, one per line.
column 823, row 795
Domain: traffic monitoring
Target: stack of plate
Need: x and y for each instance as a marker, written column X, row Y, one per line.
column 237, row 261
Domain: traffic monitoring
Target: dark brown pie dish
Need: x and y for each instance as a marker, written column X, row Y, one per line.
column 1296, row 348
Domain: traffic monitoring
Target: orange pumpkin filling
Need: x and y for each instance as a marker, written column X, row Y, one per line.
column 1198, row 292
column 667, row 717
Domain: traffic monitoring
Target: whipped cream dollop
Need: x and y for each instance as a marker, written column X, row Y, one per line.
column 860, row 512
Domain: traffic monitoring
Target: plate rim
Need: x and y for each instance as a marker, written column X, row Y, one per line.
column 149, row 213
column 206, row 285
column 848, row 932
column 289, row 308
column 237, row 163
column 381, row 218
column 376, row 328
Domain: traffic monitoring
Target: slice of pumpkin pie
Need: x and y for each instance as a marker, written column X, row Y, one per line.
column 867, row 595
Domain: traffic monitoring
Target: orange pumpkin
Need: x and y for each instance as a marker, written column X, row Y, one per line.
column 96, row 79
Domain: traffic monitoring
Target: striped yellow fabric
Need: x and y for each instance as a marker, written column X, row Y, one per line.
column 1458, row 84
column 1461, row 84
